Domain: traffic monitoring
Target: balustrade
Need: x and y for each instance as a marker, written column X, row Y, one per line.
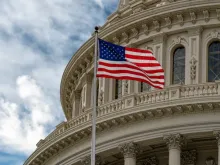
column 144, row 98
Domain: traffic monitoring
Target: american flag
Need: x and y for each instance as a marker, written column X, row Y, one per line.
column 120, row 62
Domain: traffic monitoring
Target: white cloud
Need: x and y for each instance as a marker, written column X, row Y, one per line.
column 100, row 3
column 21, row 129
column 37, row 39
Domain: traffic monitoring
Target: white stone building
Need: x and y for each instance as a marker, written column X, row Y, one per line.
column 137, row 124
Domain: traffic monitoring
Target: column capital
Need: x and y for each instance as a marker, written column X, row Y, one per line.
column 159, row 38
column 174, row 141
column 195, row 31
column 87, row 160
column 217, row 136
column 129, row 149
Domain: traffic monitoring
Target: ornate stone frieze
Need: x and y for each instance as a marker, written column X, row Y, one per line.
column 125, row 37
column 206, row 15
column 145, row 29
column 129, row 149
column 174, row 141
column 195, row 31
column 213, row 35
column 180, row 19
column 164, row 2
column 138, row 8
column 116, row 40
column 156, row 25
column 193, row 62
column 193, row 17
column 168, row 22
column 135, row 33
column 189, row 157
column 210, row 161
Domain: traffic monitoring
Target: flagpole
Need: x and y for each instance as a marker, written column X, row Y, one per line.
column 93, row 150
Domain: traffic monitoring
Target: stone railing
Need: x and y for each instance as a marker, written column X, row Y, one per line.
column 176, row 92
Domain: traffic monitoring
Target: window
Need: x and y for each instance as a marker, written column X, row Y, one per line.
column 179, row 66
column 214, row 61
column 145, row 87
column 118, row 89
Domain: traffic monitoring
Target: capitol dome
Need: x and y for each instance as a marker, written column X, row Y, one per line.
column 137, row 124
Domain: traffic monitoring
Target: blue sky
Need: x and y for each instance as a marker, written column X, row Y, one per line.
column 37, row 39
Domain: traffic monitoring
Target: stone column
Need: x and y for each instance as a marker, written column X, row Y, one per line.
column 193, row 58
column 127, row 87
column 103, row 90
column 159, row 43
column 86, row 91
column 129, row 151
column 76, row 103
column 217, row 135
column 111, row 93
column 174, row 143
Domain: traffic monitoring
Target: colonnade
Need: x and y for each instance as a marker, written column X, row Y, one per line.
column 174, row 142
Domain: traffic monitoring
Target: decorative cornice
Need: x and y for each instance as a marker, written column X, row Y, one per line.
column 129, row 150
column 174, row 141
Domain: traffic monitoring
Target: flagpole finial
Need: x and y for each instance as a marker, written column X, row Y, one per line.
column 96, row 29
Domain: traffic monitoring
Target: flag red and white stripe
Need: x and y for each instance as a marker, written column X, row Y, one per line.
column 140, row 65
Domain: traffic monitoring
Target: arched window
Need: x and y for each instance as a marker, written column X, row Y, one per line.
column 214, row 61
column 145, row 87
column 179, row 66
column 118, row 89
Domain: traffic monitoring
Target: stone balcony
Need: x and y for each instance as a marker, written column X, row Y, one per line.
column 171, row 100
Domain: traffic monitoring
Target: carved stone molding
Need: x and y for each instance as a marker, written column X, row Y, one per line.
column 174, row 141
column 193, row 17
column 168, row 22
column 206, row 15
column 217, row 136
column 129, row 150
column 159, row 39
column 189, row 157
column 125, row 37
column 156, row 25
column 180, row 19
column 87, row 160
column 116, row 40
column 193, row 62
column 134, row 33
column 145, row 29
column 164, row 2
column 195, row 31
column 177, row 41
column 213, row 35
column 210, row 161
